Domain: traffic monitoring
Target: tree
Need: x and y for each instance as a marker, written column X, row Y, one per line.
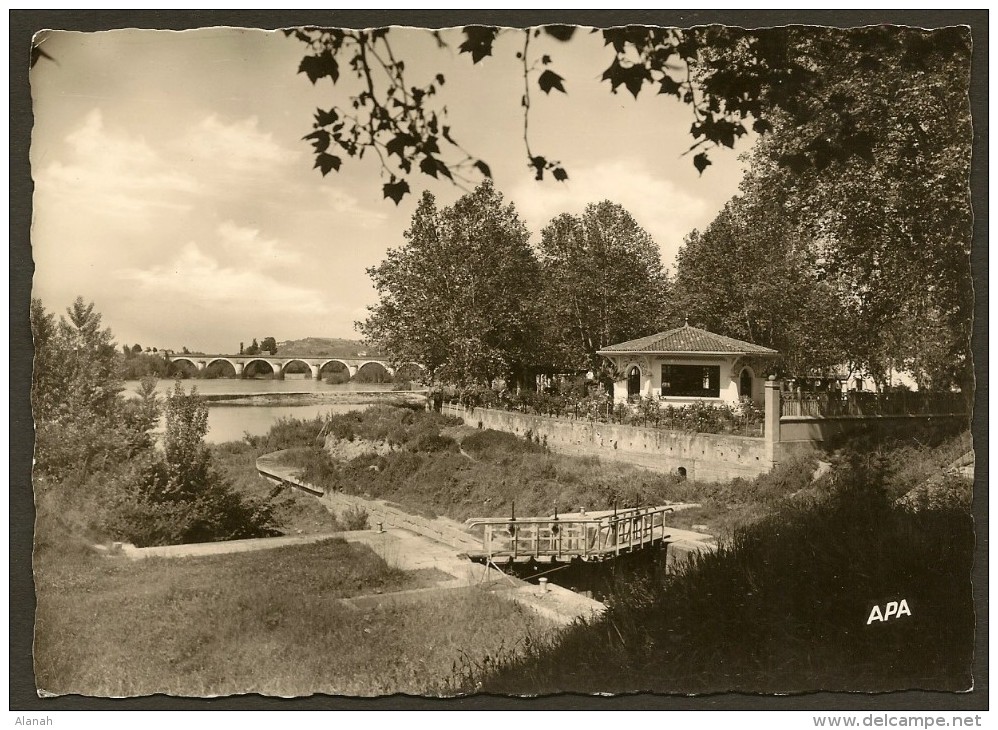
column 730, row 78
column 82, row 424
column 253, row 349
column 269, row 344
column 750, row 275
column 456, row 296
column 890, row 229
column 186, row 457
column 601, row 283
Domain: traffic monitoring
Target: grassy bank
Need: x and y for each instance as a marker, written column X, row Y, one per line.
column 267, row 622
column 431, row 465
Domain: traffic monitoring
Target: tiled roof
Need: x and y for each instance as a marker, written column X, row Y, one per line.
column 688, row 339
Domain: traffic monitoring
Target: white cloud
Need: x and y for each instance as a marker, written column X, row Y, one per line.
column 109, row 172
column 195, row 275
column 240, row 146
column 658, row 205
column 347, row 206
column 251, row 247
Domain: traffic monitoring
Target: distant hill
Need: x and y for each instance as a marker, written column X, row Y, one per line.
column 326, row 347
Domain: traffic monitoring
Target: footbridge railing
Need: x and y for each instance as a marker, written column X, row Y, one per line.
column 573, row 536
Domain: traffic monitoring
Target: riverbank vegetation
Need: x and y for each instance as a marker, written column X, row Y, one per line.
column 270, row 622
column 98, row 471
column 431, row 465
column 783, row 604
column 786, row 605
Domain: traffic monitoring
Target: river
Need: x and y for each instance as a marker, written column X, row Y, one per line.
column 232, row 422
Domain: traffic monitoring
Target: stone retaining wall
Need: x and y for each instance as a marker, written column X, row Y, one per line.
column 708, row 457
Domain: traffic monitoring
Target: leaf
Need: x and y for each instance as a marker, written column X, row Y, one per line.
column 397, row 145
column 559, row 174
column 632, row 77
column 396, row 190
column 320, row 140
column 430, row 165
column 325, row 118
column 700, row 162
column 560, row 32
column 550, row 80
column 538, row 163
column 761, row 126
column 483, row 168
column 326, row 162
column 316, row 67
column 668, row 85
column 478, row 41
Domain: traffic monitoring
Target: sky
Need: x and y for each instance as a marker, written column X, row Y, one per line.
column 174, row 190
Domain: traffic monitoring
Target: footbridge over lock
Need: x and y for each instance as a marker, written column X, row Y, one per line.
column 571, row 537
column 278, row 363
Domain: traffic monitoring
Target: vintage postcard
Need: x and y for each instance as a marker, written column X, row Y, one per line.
column 504, row 360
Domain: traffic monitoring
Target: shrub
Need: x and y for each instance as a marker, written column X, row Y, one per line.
column 490, row 445
column 337, row 377
column 353, row 518
column 431, row 443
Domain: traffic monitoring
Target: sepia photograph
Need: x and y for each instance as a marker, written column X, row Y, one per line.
column 496, row 359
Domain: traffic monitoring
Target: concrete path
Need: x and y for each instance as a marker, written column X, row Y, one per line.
column 220, row 548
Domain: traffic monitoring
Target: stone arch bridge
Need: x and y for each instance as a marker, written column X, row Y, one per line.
column 315, row 364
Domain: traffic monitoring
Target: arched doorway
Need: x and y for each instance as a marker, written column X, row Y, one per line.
column 633, row 381
column 745, row 383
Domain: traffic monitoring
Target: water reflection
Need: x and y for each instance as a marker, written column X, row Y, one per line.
column 232, row 423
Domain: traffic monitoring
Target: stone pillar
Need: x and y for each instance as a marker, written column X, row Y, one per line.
column 201, row 365
column 315, row 372
column 352, row 369
column 278, row 369
column 772, row 419
column 239, row 369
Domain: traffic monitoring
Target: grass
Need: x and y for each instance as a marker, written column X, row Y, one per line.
column 428, row 473
column 295, row 512
column 269, row 622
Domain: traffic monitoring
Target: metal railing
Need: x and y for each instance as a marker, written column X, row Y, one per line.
column 574, row 535
column 857, row 403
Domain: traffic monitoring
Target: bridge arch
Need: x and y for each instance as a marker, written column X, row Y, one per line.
column 173, row 368
column 182, row 358
column 275, row 369
column 213, row 360
column 219, row 371
column 348, row 370
column 309, row 368
column 368, row 371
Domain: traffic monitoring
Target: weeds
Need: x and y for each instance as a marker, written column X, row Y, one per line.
column 783, row 607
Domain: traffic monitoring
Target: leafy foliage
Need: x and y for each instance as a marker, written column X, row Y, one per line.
column 95, row 452
column 753, row 276
column 451, row 298
column 601, row 283
column 731, row 79
column 835, row 260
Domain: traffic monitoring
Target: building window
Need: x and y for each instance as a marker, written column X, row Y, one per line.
column 691, row 381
